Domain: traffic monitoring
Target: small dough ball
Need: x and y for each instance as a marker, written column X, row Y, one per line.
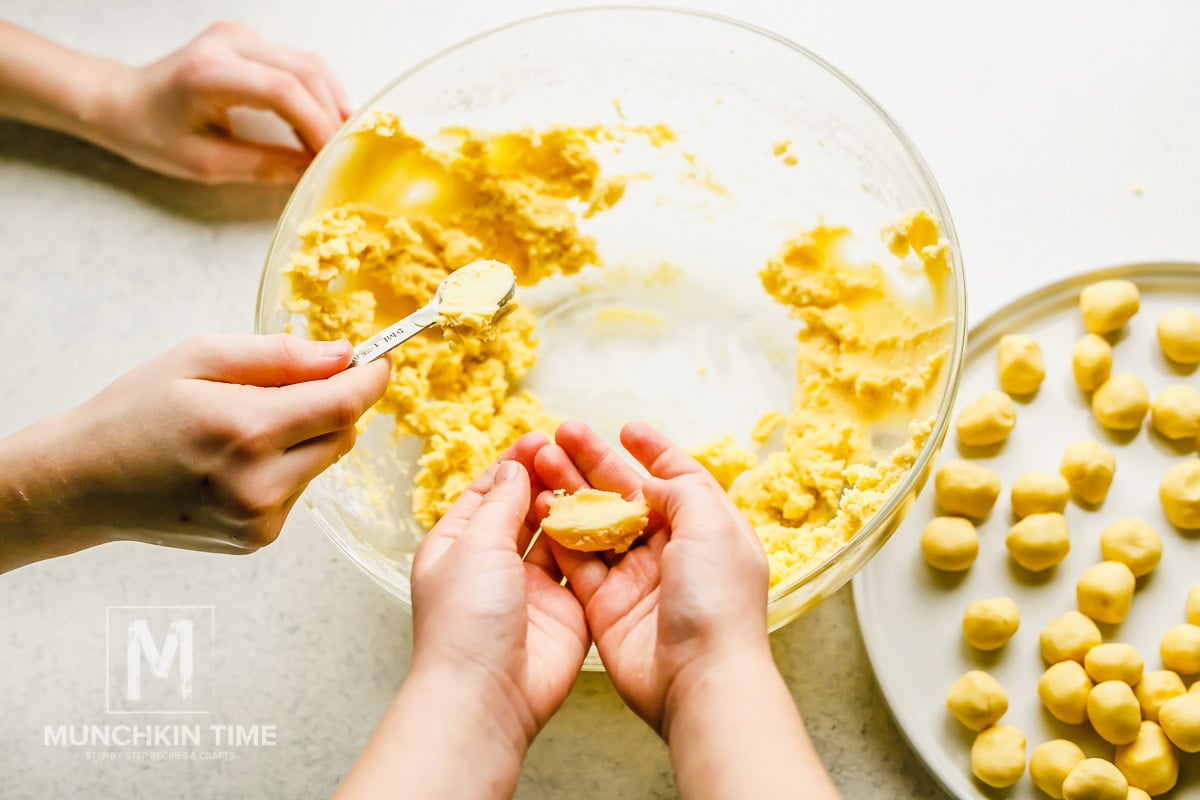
column 1149, row 762
column 1050, row 763
column 1019, row 364
column 1089, row 469
column 966, row 489
column 1039, row 493
column 1091, row 362
column 1114, row 712
column 989, row 624
column 592, row 520
column 1064, row 690
column 1039, row 541
column 1180, row 720
column 987, row 420
column 1180, row 649
column 1179, row 336
column 1068, row 638
column 1179, row 493
column 950, row 543
column 1175, row 413
column 1136, row 794
column 998, row 756
column 976, row 700
column 1114, row 661
column 1121, row 402
column 1193, row 605
column 1095, row 779
column 1156, row 688
column 1105, row 591
column 1132, row 542
column 1108, row 305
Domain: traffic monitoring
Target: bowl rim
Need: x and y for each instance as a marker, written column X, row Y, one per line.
column 958, row 343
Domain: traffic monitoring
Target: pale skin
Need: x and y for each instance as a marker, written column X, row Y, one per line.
column 679, row 621
column 172, row 116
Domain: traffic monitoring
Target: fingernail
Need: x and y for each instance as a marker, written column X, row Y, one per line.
column 333, row 350
column 508, row 470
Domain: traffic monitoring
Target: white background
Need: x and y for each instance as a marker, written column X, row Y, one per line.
column 1039, row 120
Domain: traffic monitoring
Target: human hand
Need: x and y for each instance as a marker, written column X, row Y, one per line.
column 510, row 633
column 207, row 447
column 171, row 116
column 688, row 599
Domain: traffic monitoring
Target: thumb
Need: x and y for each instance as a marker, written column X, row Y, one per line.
column 263, row 360
column 228, row 160
column 689, row 505
column 501, row 515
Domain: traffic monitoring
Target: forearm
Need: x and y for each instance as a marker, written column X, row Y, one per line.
column 734, row 732
column 45, row 84
column 438, row 739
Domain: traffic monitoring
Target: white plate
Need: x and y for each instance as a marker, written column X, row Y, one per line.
column 911, row 615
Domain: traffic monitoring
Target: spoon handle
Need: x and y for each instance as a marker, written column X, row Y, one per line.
column 395, row 335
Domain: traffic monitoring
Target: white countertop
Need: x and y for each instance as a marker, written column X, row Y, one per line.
column 1064, row 136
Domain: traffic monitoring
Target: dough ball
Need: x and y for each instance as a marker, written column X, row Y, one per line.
column 1064, row 690
column 976, row 700
column 1132, row 542
column 1179, row 493
column 1114, row 661
column 1136, row 794
column 1176, row 412
column 1179, row 336
column 1050, row 763
column 989, row 624
column 1193, row 605
column 1091, row 362
column 987, row 420
column 998, row 756
column 966, row 489
column 1039, row 493
column 950, row 543
column 1068, row 638
column 1095, row 779
column 1114, row 712
column 1108, row 305
column 1156, row 688
column 1105, row 591
column 592, row 520
column 1180, row 720
column 1121, row 402
column 1039, row 541
column 1089, row 469
column 1149, row 762
column 1019, row 364
column 1180, row 649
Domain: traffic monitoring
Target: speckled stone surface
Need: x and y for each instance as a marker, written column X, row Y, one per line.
column 1038, row 132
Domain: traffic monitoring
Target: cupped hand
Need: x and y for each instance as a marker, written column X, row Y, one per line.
column 692, row 594
column 172, row 116
column 481, row 611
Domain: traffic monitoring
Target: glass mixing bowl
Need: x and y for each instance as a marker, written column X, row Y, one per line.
column 738, row 97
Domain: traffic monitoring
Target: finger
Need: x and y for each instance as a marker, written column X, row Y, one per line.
column 585, row 572
column 299, row 465
column 263, row 359
column 307, row 410
column 308, row 68
column 258, row 85
column 598, row 463
column 697, row 508
column 659, row 455
column 501, row 515
column 217, row 158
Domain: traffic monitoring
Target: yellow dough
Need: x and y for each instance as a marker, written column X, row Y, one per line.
column 1180, row 649
column 1149, row 762
column 1091, row 362
column 1156, row 688
column 1068, row 637
column 1064, row 689
column 1089, row 469
column 1192, row 607
column 1132, row 542
column 976, row 700
column 1095, row 779
column 989, row 624
column 998, row 756
column 1051, row 762
column 1108, row 305
column 591, row 520
column 1121, row 402
column 1114, row 661
column 1179, row 494
column 1114, row 712
column 400, row 214
column 966, row 489
column 472, row 296
column 1039, row 541
column 950, row 543
column 1175, row 413
column 1180, row 720
column 1039, row 493
column 1105, row 591
column 724, row 460
column 1179, row 335
column 986, row 421
column 1019, row 364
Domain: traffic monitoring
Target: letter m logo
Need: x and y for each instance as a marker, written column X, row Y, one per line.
column 159, row 659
